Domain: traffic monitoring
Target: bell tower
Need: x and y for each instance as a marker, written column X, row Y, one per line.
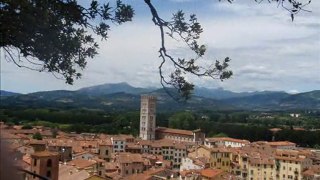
column 46, row 164
column 148, row 117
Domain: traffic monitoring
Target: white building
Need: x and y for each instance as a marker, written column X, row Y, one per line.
column 118, row 144
column 189, row 163
column 225, row 142
column 148, row 117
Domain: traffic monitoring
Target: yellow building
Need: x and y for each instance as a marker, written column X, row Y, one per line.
column 221, row 159
column 261, row 162
column 291, row 163
column 261, row 168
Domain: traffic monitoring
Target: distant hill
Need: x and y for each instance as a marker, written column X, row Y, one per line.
column 7, row 93
column 221, row 93
column 119, row 101
column 266, row 100
column 307, row 100
column 113, row 88
column 123, row 97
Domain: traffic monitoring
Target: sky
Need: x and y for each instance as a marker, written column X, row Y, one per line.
column 268, row 51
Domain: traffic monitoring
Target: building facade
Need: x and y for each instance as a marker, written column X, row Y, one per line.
column 46, row 164
column 148, row 117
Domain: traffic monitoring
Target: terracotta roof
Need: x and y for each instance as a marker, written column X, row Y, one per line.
column 81, row 163
column 128, row 158
column 187, row 173
column 174, row 131
column 281, row 143
column 67, row 172
column 296, row 159
column 211, row 173
column 105, row 142
column 221, row 149
column 133, row 146
column 146, row 175
column 312, row 171
column 84, row 152
column 37, row 142
column 44, row 154
column 110, row 166
column 200, row 161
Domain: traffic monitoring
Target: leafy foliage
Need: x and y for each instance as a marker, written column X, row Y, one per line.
column 55, row 36
column 182, row 120
column 292, row 6
column 37, row 136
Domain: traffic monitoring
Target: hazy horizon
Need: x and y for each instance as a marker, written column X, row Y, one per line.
column 154, row 87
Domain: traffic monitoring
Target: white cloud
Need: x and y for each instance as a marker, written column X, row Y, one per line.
column 268, row 51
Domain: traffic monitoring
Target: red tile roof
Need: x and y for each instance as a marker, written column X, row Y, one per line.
column 211, row 173
column 174, row 131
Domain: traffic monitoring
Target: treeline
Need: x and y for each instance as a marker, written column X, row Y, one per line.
column 240, row 125
column 78, row 120
column 234, row 125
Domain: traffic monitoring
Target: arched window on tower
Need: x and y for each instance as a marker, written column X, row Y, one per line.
column 49, row 163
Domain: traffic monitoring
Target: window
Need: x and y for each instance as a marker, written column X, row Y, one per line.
column 107, row 152
column 35, row 162
column 49, row 163
column 49, row 174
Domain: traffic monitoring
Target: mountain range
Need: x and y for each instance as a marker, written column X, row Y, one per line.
column 122, row 97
